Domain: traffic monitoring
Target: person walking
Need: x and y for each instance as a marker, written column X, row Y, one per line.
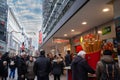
column 68, row 58
column 5, row 70
column 22, row 68
column 5, row 58
column 12, row 66
column 57, row 67
column 30, row 73
column 42, row 67
column 80, row 67
column 107, row 68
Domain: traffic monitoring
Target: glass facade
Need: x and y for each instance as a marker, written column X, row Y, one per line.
column 3, row 19
column 53, row 11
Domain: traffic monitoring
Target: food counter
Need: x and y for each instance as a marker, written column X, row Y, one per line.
column 69, row 74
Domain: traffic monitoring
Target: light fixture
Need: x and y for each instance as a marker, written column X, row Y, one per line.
column 106, row 10
column 84, row 23
column 65, row 34
column 99, row 32
column 72, row 30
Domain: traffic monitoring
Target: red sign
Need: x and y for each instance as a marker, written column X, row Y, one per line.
column 2, row 23
column 23, row 46
column 40, row 37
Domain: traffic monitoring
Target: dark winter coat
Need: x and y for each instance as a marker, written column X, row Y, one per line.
column 68, row 59
column 5, row 69
column 42, row 66
column 22, row 68
column 13, row 63
column 80, row 69
column 1, row 67
column 5, row 57
column 57, row 67
column 30, row 73
column 100, row 66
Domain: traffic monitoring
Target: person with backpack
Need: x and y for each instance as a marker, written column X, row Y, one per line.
column 107, row 68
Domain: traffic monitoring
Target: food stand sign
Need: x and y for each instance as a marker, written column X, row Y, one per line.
column 106, row 30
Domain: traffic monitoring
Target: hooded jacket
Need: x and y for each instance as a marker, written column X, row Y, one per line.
column 100, row 66
column 80, row 69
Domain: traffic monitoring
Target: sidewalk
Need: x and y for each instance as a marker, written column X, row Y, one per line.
column 63, row 77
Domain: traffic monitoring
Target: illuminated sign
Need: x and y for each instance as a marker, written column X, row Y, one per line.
column 40, row 37
column 58, row 40
column 106, row 30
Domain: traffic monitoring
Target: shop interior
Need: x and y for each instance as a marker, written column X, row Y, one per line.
column 90, row 19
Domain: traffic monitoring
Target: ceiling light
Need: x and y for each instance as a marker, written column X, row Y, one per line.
column 84, row 23
column 105, row 9
column 65, row 34
column 72, row 30
column 99, row 32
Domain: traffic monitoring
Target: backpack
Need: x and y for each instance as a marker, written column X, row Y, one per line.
column 110, row 71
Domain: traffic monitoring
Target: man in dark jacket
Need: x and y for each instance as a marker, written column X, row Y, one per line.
column 42, row 67
column 5, row 59
column 68, row 58
column 80, row 67
column 22, row 68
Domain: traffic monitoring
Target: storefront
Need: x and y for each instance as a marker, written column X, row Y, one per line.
column 94, row 40
column 97, row 39
column 91, row 28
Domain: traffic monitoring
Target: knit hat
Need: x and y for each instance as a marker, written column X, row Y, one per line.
column 81, row 53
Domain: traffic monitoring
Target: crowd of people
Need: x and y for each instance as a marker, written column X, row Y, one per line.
column 28, row 67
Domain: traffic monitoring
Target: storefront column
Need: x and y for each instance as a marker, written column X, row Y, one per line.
column 116, row 7
column 72, row 46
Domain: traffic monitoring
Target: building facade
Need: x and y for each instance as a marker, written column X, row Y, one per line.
column 15, row 35
column 3, row 25
column 53, row 12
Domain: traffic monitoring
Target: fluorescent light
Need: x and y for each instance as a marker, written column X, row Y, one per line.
column 84, row 23
column 106, row 10
column 65, row 34
column 72, row 30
